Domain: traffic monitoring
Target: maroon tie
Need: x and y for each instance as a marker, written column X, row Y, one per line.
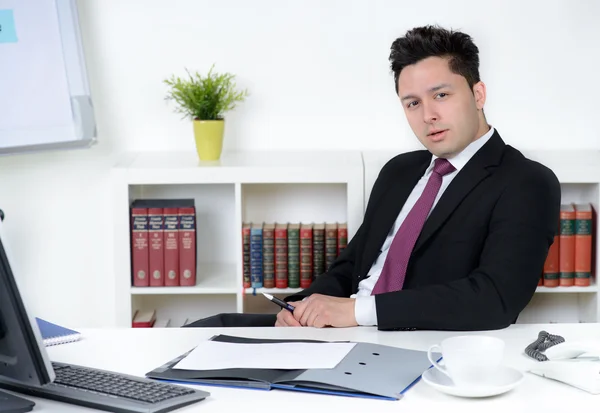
column 396, row 262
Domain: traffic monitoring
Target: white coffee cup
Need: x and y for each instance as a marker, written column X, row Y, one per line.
column 470, row 359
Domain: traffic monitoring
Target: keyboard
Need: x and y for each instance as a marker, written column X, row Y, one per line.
column 110, row 391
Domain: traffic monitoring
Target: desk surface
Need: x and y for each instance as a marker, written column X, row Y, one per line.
column 137, row 351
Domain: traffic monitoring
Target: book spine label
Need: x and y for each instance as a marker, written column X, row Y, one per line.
column 139, row 247
column 156, row 255
column 171, row 237
column 187, row 246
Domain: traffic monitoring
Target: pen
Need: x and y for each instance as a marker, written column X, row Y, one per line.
column 279, row 302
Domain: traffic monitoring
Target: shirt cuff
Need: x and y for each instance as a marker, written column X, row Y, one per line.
column 365, row 311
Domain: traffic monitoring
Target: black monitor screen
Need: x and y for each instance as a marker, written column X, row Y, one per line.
column 22, row 353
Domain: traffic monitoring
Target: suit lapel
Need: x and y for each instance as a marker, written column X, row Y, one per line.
column 390, row 205
column 467, row 179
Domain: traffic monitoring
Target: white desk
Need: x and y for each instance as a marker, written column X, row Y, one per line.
column 137, row 351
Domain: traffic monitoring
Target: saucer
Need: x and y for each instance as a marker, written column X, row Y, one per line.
column 506, row 379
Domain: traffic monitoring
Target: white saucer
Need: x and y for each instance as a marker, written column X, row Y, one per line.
column 507, row 379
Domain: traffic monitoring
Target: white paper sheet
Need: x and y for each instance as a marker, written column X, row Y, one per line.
column 214, row 355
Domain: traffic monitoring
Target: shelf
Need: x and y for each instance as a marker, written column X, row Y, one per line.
column 273, row 290
column 156, row 168
column 211, row 279
column 590, row 289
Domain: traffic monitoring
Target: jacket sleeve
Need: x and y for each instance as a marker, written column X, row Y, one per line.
column 522, row 228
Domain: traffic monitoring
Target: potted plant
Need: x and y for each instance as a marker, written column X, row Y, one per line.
column 205, row 99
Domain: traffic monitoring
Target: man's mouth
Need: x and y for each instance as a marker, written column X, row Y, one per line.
column 437, row 135
column 436, row 132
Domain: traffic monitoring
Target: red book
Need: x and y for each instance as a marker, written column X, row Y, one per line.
column 306, row 255
column 139, row 246
column 281, row 254
column 171, row 239
column 144, row 319
column 187, row 246
column 156, row 255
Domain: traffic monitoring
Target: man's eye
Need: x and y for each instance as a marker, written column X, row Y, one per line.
column 442, row 95
column 413, row 103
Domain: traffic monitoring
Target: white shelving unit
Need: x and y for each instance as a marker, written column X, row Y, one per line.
column 579, row 175
column 241, row 187
column 291, row 187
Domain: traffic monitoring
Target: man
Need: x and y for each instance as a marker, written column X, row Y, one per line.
column 454, row 237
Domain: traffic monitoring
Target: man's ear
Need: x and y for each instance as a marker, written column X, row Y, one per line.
column 479, row 93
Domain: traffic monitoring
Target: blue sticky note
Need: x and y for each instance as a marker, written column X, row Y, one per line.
column 8, row 34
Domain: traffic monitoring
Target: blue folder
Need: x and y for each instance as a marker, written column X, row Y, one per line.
column 368, row 370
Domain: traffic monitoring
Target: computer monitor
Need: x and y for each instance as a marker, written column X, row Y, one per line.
column 23, row 357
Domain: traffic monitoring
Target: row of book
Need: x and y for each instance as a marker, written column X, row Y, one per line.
column 163, row 242
column 570, row 259
column 289, row 255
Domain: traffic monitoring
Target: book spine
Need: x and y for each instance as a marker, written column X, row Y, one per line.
column 156, row 257
column 331, row 244
column 187, row 246
column 269, row 256
column 256, row 256
column 171, row 247
column 139, row 247
column 583, row 245
column 294, row 256
column 246, row 270
column 551, row 271
column 342, row 237
column 318, row 250
column 567, row 246
column 281, row 255
column 306, row 259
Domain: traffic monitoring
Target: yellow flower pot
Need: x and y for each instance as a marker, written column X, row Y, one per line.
column 209, row 139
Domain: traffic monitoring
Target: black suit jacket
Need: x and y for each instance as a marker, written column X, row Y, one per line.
column 479, row 257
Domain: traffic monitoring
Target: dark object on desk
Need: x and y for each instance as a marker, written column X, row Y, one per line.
column 109, row 391
column 14, row 404
column 236, row 320
column 25, row 367
column 369, row 370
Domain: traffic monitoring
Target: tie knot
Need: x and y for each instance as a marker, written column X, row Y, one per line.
column 443, row 166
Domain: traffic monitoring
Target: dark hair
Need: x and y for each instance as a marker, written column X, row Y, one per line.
column 433, row 41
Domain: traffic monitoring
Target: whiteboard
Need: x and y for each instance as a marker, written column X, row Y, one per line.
column 45, row 101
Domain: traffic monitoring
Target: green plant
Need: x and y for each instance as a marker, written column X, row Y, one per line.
column 204, row 98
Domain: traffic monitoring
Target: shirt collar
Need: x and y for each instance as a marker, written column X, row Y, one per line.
column 460, row 160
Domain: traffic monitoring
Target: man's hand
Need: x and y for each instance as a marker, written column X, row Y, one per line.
column 325, row 311
column 286, row 319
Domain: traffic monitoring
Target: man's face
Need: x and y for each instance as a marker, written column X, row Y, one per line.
column 443, row 112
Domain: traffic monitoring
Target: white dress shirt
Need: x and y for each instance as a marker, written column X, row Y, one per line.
column 364, row 308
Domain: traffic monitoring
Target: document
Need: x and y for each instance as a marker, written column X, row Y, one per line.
column 214, row 355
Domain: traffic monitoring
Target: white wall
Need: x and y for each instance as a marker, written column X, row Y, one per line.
column 319, row 78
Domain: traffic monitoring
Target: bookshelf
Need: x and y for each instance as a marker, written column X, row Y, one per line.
column 579, row 175
column 298, row 186
column 241, row 187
